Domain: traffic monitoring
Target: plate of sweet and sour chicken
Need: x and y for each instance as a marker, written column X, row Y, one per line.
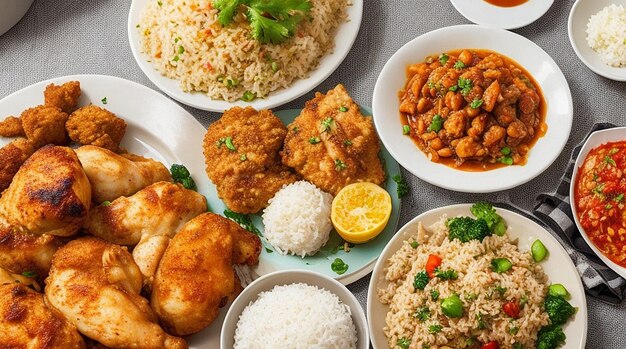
column 102, row 243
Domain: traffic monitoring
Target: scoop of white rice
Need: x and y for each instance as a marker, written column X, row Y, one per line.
column 606, row 35
column 297, row 219
column 296, row 316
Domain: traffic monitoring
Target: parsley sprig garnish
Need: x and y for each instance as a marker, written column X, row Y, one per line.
column 271, row 21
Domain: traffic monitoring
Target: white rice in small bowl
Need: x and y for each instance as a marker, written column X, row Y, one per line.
column 295, row 309
column 606, row 35
column 297, row 219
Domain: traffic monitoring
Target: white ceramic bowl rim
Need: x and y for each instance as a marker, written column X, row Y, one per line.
column 576, row 30
column 251, row 292
column 559, row 114
column 482, row 12
column 594, row 140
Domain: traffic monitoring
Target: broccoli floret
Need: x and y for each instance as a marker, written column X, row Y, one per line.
column 181, row 175
column 421, row 280
column 466, row 229
column 485, row 210
column 550, row 337
column 559, row 310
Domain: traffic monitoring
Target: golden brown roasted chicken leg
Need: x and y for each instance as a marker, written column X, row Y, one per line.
column 112, row 175
column 96, row 285
column 26, row 322
column 50, row 194
column 195, row 277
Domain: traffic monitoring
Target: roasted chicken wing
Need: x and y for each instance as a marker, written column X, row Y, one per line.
column 331, row 144
column 112, row 175
column 147, row 219
column 12, row 156
column 92, row 125
column 26, row 322
column 241, row 155
column 50, row 194
column 96, row 285
column 195, row 277
column 26, row 253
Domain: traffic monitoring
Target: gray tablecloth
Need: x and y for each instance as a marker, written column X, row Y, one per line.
column 64, row 37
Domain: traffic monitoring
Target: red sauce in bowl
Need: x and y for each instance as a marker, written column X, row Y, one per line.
column 600, row 199
column 506, row 3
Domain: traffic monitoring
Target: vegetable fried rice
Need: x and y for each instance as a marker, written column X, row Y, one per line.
column 479, row 292
column 184, row 40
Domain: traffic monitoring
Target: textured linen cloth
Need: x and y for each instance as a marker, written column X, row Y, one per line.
column 66, row 37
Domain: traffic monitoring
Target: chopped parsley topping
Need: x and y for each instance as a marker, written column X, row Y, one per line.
column 248, row 96
column 476, row 103
column 608, row 160
column 340, row 165
column 296, row 129
column 443, row 58
column 343, row 109
column 434, row 295
column 106, row 203
column 339, row 267
column 104, row 100
column 422, row 313
column 314, row 140
column 459, row 65
column 403, row 343
column 29, row 274
column 421, row 280
column 327, row 124
column 436, row 124
column 406, row 129
column 449, row 274
column 432, row 329
column 465, row 85
column 347, row 143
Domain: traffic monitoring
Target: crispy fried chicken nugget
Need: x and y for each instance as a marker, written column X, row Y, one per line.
column 12, row 156
column 45, row 125
column 64, row 96
column 11, row 127
column 96, row 126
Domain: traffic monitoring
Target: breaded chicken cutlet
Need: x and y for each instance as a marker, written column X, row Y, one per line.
column 331, row 144
column 241, row 155
column 92, row 125
column 45, row 125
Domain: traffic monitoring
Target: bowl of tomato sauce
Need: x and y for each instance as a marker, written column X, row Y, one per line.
column 598, row 196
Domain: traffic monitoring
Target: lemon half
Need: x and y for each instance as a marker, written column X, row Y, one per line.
column 360, row 211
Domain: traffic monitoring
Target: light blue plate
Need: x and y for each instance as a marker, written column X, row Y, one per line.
column 360, row 259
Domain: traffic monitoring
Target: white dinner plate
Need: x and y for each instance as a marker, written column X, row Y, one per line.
column 482, row 12
column 157, row 128
column 558, row 266
column 617, row 134
column 344, row 38
column 577, row 31
column 538, row 63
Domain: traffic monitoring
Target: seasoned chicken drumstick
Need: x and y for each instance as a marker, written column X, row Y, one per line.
column 196, row 277
column 96, row 285
column 112, row 175
column 50, row 194
column 148, row 219
column 26, row 322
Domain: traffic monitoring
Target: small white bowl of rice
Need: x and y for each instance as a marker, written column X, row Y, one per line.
column 295, row 309
column 597, row 32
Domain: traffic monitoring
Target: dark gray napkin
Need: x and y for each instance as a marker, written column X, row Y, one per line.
column 553, row 212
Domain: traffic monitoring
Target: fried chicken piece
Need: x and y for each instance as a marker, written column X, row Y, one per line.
column 241, row 155
column 96, row 126
column 26, row 322
column 112, row 175
column 191, row 287
column 50, row 194
column 64, row 97
column 148, row 219
column 12, row 156
column 45, row 125
column 95, row 285
column 335, row 144
column 26, row 253
column 11, row 127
